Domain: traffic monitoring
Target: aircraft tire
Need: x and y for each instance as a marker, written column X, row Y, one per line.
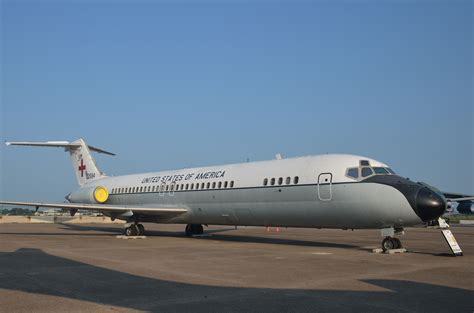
column 141, row 229
column 189, row 230
column 388, row 244
column 194, row 229
column 398, row 243
column 198, row 229
column 132, row 230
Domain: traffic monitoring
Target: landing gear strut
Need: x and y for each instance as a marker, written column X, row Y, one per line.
column 194, row 229
column 135, row 230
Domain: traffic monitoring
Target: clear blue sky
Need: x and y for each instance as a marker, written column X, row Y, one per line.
column 176, row 85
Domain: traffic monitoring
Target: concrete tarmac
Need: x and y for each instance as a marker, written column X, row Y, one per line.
column 85, row 268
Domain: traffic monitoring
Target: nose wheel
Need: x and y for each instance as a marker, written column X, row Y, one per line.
column 135, row 230
column 390, row 243
column 194, row 229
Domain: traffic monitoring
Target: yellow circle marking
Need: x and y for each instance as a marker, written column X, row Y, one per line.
column 101, row 194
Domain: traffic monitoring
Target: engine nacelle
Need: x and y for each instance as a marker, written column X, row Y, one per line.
column 466, row 207
column 97, row 194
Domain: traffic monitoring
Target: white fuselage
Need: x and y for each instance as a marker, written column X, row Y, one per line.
column 312, row 191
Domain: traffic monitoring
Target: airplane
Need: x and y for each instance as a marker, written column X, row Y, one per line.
column 338, row 191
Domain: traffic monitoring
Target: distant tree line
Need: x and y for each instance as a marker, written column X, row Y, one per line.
column 16, row 211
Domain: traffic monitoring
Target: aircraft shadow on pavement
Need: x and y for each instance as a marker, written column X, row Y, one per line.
column 34, row 271
column 215, row 234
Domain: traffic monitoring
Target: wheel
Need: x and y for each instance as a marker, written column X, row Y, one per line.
column 197, row 229
column 188, row 230
column 398, row 243
column 141, row 230
column 194, row 229
column 388, row 244
column 132, row 230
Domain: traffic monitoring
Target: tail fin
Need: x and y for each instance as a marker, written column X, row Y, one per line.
column 82, row 161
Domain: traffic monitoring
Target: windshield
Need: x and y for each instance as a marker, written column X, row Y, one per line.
column 366, row 171
column 380, row 170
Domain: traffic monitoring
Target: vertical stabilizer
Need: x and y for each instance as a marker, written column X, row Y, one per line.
column 83, row 162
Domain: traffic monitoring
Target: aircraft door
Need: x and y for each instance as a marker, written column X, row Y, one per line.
column 325, row 186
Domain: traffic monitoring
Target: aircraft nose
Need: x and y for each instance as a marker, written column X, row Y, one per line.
column 429, row 204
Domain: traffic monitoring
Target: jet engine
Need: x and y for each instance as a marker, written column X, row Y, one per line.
column 96, row 194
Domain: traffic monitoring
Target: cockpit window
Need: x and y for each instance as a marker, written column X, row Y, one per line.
column 366, row 171
column 380, row 170
column 353, row 172
column 390, row 170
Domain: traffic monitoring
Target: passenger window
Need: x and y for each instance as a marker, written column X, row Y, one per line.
column 265, row 181
column 167, row 187
column 220, row 185
column 296, row 180
column 353, row 172
column 202, row 185
column 280, row 180
column 208, row 185
column 288, row 180
column 214, row 185
column 225, row 184
column 366, row 171
column 232, row 184
column 272, row 181
column 187, row 186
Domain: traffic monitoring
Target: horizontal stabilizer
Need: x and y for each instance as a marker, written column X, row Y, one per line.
column 169, row 211
column 56, row 144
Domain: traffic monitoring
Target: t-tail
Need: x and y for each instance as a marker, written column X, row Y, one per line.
column 83, row 163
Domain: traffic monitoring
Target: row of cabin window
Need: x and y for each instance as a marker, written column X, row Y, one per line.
column 280, row 181
column 179, row 187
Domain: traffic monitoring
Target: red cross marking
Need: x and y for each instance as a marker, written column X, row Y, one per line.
column 82, row 168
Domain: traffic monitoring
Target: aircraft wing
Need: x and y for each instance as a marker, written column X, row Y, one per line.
column 456, row 197
column 167, row 211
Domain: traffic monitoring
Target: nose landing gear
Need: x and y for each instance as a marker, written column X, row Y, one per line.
column 391, row 243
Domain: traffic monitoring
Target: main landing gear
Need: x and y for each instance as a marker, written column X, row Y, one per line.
column 194, row 229
column 135, row 230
